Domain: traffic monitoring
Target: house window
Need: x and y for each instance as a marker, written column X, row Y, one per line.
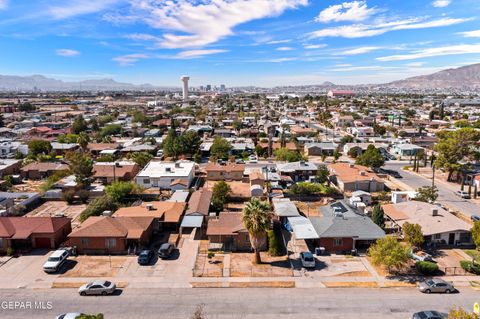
column 110, row 242
column 146, row 181
column 85, row 241
column 338, row 242
column 437, row 236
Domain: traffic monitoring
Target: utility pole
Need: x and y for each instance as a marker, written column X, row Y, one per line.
column 433, row 175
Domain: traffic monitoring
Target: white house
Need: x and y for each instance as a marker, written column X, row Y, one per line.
column 167, row 175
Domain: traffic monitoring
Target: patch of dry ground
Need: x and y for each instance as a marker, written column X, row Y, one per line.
column 95, row 266
column 351, row 284
column 241, row 266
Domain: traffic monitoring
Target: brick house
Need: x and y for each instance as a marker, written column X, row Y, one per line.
column 108, row 172
column 228, row 231
column 25, row 233
column 111, row 235
column 351, row 177
column 217, row 172
column 42, row 170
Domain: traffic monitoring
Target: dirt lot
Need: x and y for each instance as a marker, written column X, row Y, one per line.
column 241, row 266
column 28, row 186
column 310, row 208
column 447, row 258
column 95, row 266
column 54, row 207
column 205, row 267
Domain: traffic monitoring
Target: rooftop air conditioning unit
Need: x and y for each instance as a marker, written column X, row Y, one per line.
column 149, row 206
column 107, row 213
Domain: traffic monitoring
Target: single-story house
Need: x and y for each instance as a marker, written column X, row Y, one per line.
column 167, row 175
column 406, row 150
column 42, row 170
column 351, row 177
column 198, row 209
column 228, row 231
column 320, row 149
column 107, row 172
column 230, row 171
column 298, row 171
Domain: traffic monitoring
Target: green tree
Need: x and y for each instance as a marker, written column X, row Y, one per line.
column 141, row 158
column 379, row 130
column 412, row 233
column 83, row 316
column 37, row 147
column 79, row 125
column 83, row 139
column 456, row 149
column 94, row 125
column 119, row 191
column 284, row 154
column 81, row 166
column 476, row 234
column 220, row 147
column 170, row 147
column 322, row 174
column 257, row 217
column 390, row 253
column 189, row 143
column 111, row 129
column 427, row 194
column 460, row 313
column 378, row 216
column 221, row 191
column 98, row 206
column 371, row 158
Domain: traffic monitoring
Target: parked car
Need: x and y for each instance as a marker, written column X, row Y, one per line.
column 475, row 218
column 308, row 261
column 436, row 285
column 252, row 158
column 98, row 287
column 463, row 194
column 145, row 257
column 70, row 315
column 166, row 250
column 239, row 161
column 55, row 261
column 430, row 314
column 421, row 256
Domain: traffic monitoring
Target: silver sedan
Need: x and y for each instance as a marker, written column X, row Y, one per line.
column 98, row 287
column 436, row 285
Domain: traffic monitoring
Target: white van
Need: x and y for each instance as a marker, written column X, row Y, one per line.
column 55, row 261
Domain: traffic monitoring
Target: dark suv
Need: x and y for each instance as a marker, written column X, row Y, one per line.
column 166, row 250
column 145, row 257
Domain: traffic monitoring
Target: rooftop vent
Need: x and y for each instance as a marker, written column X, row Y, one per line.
column 434, row 211
column 149, row 206
column 107, row 213
column 363, row 173
column 352, row 165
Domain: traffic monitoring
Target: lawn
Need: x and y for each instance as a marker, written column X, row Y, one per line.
column 475, row 254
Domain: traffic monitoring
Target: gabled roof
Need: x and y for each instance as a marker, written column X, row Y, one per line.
column 169, row 211
column 104, row 226
column 225, row 224
column 199, row 202
column 24, row 227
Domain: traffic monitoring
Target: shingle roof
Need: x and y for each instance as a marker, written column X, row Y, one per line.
column 225, row 224
column 104, row 226
column 199, row 202
column 23, row 227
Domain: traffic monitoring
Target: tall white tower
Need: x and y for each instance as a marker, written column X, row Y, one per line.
column 185, row 86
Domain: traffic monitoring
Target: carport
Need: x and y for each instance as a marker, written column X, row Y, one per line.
column 302, row 228
column 191, row 222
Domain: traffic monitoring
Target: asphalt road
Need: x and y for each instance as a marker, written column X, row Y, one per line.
column 239, row 303
column 445, row 195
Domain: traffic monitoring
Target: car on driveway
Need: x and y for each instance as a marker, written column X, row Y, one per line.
column 70, row 315
column 97, row 287
column 462, row 194
column 145, row 257
column 430, row 314
column 55, row 261
column 436, row 285
column 308, row 261
column 166, row 250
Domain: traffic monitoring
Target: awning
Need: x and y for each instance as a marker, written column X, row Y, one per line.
column 192, row 222
column 302, row 228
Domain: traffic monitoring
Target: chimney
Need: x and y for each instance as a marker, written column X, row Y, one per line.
column 107, row 213
column 434, row 211
column 363, row 173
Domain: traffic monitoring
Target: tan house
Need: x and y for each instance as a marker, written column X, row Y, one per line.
column 111, row 235
column 107, row 172
column 42, row 170
column 217, row 172
column 351, row 177
column 228, row 233
column 257, row 178
column 167, row 214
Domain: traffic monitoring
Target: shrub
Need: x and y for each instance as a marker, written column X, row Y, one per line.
column 98, row 206
column 210, row 255
column 83, row 195
column 470, row 267
column 10, row 251
column 69, row 196
column 426, row 267
column 275, row 247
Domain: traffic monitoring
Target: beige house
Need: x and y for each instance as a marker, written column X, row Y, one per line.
column 351, row 177
column 217, row 172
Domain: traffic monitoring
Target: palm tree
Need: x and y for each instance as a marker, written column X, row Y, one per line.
column 257, row 218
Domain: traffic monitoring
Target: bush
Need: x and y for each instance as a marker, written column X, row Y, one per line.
column 10, row 251
column 210, row 255
column 275, row 247
column 98, row 206
column 470, row 267
column 426, row 267
column 69, row 196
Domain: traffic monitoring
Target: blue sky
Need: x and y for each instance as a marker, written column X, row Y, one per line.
column 237, row 42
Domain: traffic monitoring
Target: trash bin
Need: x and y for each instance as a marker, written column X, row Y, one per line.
column 319, row 251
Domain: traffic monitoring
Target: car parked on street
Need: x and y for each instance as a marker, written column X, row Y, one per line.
column 462, row 194
column 430, row 314
column 70, row 315
column 145, row 257
column 166, row 250
column 475, row 218
column 308, row 261
column 436, row 285
column 97, row 287
column 55, row 261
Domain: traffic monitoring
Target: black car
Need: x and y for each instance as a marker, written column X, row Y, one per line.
column 475, row 218
column 166, row 250
column 145, row 257
column 429, row 315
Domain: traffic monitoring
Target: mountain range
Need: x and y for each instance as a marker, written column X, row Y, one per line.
column 466, row 77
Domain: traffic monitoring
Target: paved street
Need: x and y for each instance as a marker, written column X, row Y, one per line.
column 240, row 303
column 446, row 195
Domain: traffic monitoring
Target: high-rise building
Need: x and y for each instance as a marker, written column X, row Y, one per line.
column 222, row 87
column 185, row 86
column 209, row 87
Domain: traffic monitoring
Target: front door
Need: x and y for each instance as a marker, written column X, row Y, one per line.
column 451, row 238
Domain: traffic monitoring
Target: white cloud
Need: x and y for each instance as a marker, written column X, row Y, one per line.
column 315, row 46
column 363, row 30
column 415, row 64
column 130, row 59
column 79, row 7
column 432, row 52
column 67, row 52
column 347, row 11
column 3, row 4
column 360, row 50
column 441, row 3
column 284, row 49
column 278, row 41
column 362, row 68
column 471, row 34
column 192, row 54
column 198, row 23
column 142, row 37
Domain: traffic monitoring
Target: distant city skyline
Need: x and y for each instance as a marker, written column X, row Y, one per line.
column 237, row 42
